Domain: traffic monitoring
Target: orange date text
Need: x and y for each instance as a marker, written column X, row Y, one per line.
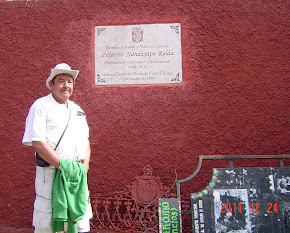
column 255, row 207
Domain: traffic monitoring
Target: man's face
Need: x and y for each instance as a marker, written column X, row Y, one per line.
column 62, row 87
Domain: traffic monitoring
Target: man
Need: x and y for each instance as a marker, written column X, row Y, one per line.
column 45, row 123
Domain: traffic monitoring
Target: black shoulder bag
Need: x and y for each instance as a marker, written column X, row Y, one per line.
column 42, row 163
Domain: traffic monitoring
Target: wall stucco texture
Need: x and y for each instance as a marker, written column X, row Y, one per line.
column 234, row 98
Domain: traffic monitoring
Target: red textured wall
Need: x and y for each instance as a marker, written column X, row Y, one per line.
column 233, row 98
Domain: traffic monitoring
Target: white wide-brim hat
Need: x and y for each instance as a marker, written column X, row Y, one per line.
column 61, row 68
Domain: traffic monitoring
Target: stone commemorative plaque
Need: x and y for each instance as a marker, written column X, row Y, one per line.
column 138, row 54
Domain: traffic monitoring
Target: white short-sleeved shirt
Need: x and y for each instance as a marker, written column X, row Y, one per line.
column 46, row 122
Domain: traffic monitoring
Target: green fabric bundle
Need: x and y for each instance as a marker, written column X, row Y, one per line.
column 69, row 195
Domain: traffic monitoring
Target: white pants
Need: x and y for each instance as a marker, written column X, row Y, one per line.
column 42, row 203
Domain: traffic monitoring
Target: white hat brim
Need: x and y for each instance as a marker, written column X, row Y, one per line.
column 54, row 72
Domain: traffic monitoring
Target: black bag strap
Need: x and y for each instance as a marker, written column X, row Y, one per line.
column 63, row 131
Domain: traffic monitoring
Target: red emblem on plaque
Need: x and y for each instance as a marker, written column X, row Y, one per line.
column 137, row 35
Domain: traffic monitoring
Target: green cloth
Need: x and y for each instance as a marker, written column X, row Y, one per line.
column 69, row 195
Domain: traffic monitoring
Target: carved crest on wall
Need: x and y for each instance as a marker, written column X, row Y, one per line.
column 147, row 187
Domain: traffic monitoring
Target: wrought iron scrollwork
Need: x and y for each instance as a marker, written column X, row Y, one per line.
column 135, row 209
column 154, row 217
